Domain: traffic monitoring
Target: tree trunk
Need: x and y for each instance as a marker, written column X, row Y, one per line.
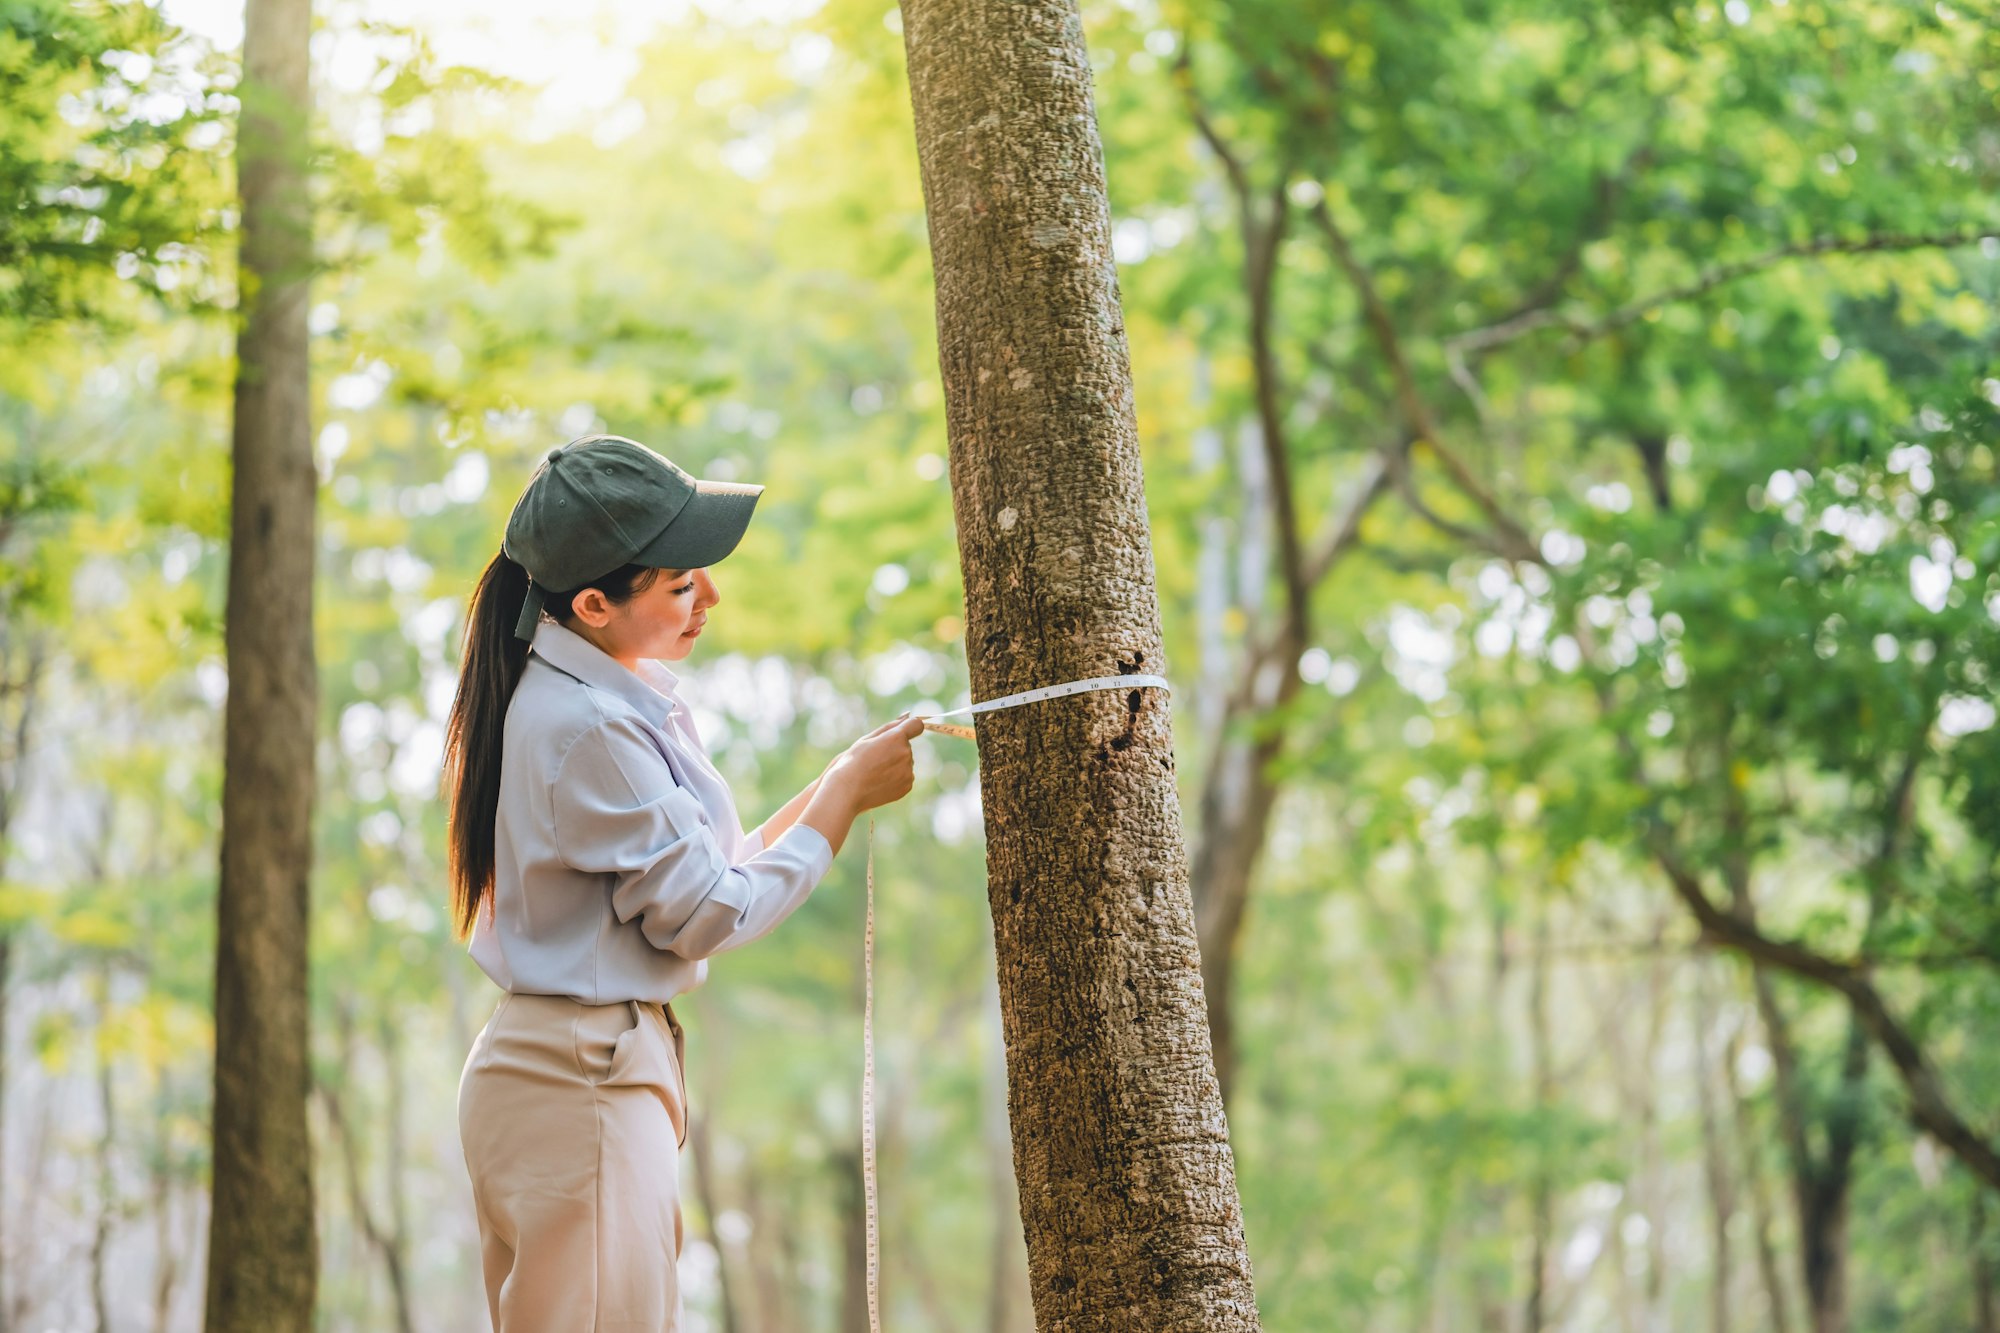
column 1541, row 1194
column 1237, row 799
column 107, row 1175
column 263, row 1251
column 773, row 1254
column 1819, row 1183
column 1007, row 1282
column 167, row 1271
column 1714, row 1154
column 1127, row 1182
column 707, row 1196
column 1762, row 1211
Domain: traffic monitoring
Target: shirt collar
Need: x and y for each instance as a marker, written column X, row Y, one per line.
column 651, row 689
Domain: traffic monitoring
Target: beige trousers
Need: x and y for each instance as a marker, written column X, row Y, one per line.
column 572, row 1116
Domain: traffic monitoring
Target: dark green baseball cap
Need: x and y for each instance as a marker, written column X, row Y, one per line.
column 602, row 502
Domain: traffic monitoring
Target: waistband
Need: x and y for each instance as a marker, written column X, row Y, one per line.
column 569, row 1004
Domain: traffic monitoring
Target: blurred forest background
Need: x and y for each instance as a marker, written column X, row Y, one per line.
column 1599, row 908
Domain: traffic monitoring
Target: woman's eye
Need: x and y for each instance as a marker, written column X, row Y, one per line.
column 687, row 587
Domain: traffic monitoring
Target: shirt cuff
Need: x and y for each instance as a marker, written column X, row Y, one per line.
column 821, row 852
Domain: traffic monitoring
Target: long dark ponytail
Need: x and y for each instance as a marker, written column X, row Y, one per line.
column 490, row 667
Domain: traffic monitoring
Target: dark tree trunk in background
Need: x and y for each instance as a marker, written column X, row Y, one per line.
column 1127, row 1182
column 263, row 1253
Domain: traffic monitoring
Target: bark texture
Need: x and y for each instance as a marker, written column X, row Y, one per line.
column 1127, row 1182
column 262, row 1265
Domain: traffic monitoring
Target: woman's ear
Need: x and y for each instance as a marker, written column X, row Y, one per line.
column 592, row 608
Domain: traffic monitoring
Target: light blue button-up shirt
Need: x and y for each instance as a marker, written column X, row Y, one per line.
column 620, row 864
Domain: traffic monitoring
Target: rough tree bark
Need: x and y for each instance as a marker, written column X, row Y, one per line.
column 263, row 1252
column 1128, row 1185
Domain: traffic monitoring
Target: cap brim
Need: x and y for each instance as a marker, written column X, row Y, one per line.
column 708, row 527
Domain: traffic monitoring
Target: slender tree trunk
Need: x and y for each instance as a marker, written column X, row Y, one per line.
column 107, row 1182
column 1715, row 1161
column 1127, row 1182
column 1652, row 1170
column 1819, row 1181
column 774, row 1252
column 1541, row 1205
column 1819, row 1197
column 388, row 1240
column 707, row 1196
column 1749, row 1143
column 263, row 1250
column 1824, row 1204
column 29, row 1290
column 167, row 1268
column 396, row 1249
column 1237, row 798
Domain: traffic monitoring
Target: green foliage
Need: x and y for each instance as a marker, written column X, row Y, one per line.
column 106, row 122
column 1698, row 294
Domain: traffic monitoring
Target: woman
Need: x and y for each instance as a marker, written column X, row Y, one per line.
column 596, row 862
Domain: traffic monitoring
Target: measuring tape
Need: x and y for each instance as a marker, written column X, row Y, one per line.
column 868, row 960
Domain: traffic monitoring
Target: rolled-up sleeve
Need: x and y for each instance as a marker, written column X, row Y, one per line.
column 619, row 812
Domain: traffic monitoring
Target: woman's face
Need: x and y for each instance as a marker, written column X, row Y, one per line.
column 661, row 620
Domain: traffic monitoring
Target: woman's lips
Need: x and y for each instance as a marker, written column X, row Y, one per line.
column 696, row 630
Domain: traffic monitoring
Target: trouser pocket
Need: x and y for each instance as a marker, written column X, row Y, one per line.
column 635, row 1046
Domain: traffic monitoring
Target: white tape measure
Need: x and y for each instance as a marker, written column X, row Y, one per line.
column 868, row 960
column 1056, row 692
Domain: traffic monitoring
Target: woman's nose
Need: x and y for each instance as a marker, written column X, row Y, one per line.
column 705, row 586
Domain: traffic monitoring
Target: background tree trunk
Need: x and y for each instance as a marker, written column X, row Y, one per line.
column 1127, row 1182
column 708, row 1196
column 107, row 1168
column 1714, row 1154
column 263, row 1252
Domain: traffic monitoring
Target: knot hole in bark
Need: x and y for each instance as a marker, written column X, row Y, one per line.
column 1134, row 702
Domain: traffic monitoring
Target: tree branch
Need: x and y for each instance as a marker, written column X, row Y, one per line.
column 1183, row 75
column 1510, row 539
column 1583, row 330
column 1263, row 232
column 1929, row 1106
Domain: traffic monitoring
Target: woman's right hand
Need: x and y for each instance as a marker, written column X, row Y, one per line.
column 878, row 768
